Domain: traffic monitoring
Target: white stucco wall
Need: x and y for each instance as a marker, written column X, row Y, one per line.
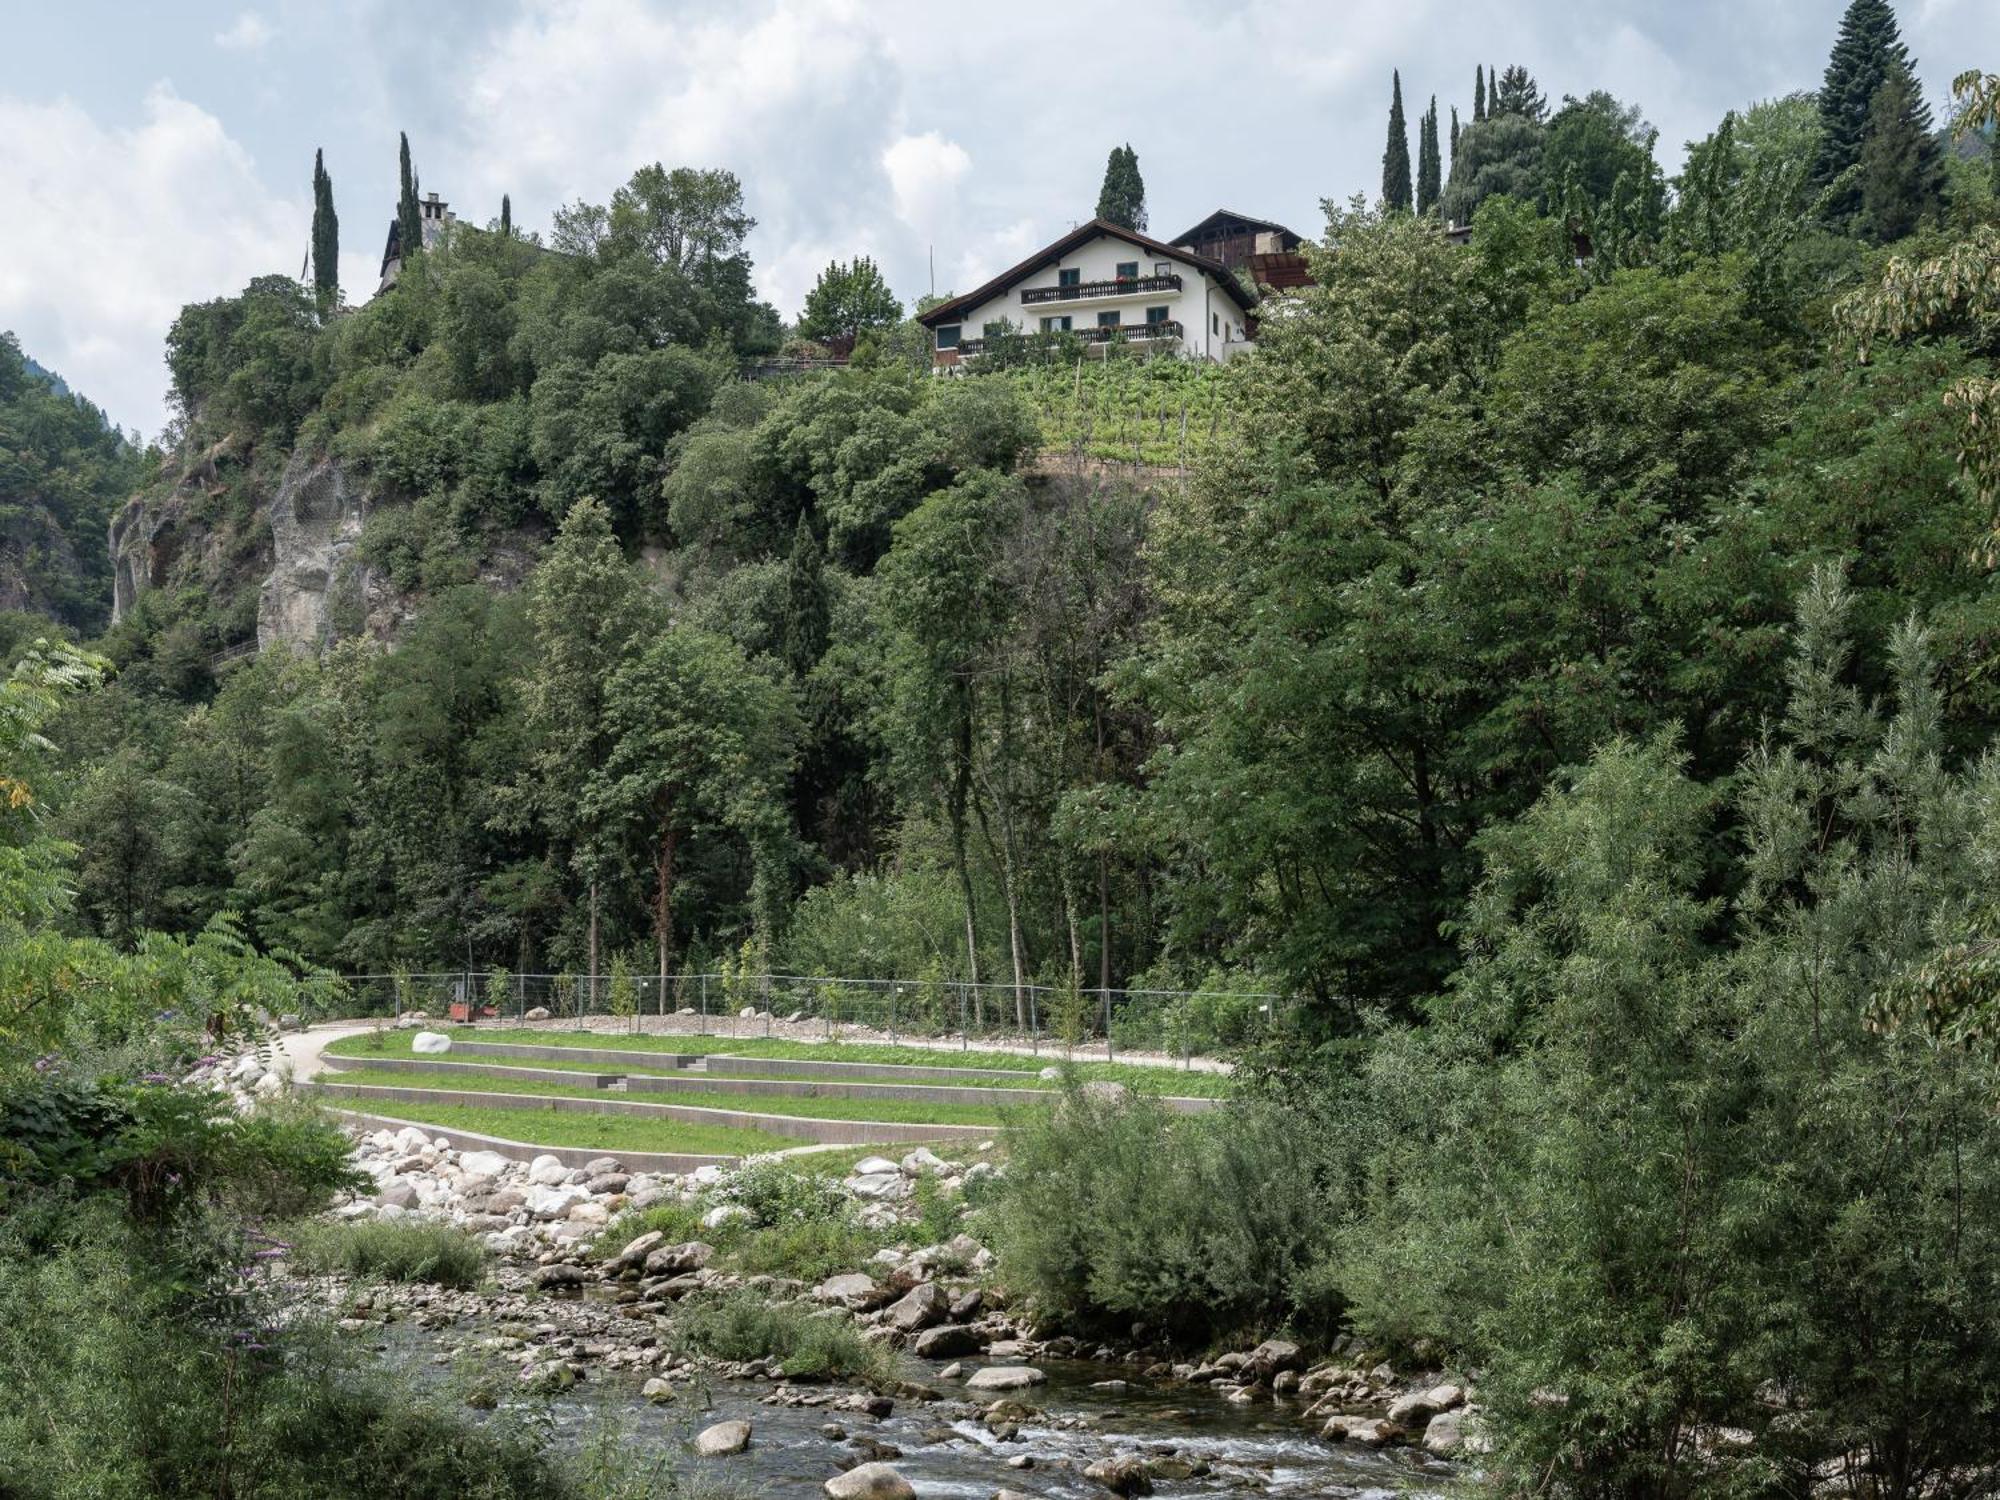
column 1211, row 322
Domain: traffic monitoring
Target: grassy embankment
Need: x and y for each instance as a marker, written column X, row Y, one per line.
column 1026, row 1069
column 816, row 1107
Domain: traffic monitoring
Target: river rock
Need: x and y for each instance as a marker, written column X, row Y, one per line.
column 657, row 1391
column 722, row 1439
column 919, row 1308
column 1418, row 1407
column 1124, row 1474
column 560, row 1274
column 483, row 1163
column 537, row 1013
column 672, row 1260
column 946, row 1342
column 1271, row 1356
column 553, row 1202
column 430, row 1043
column 923, row 1162
column 1005, row 1378
column 870, row 1482
column 547, row 1171
column 1370, row 1432
column 635, row 1253
column 397, row 1192
column 855, row 1290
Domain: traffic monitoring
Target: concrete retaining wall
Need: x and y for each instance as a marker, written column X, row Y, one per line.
column 536, row 1052
column 434, row 1065
column 915, row 1093
column 821, row 1132
column 728, row 1065
column 569, row 1156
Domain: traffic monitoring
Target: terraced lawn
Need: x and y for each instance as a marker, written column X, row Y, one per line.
column 609, row 1133
column 821, row 1107
column 397, row 1044
column 1187, row 1082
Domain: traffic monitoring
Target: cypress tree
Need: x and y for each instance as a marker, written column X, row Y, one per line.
column 1429, row 169
column 1122, row 199
column 506, row 216
column 1396, row 155
column 325, row 239
column 409, row 219
column 1478, row 94
column 1454, row 132
column 806, row 628
column 1901, row 179
column 1868, row 50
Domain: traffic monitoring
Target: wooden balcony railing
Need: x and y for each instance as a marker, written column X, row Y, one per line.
column 1123, row 286
column 1167, row 328
column 1130, row 332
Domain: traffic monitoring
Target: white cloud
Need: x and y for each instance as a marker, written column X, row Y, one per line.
column 110, row 231
column 924, row 173
column 798, row 97
column 247, row 33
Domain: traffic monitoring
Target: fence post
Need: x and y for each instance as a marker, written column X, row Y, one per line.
column 1034, row 1027
column 1110, row 1048
column 962, row 1043
column 704, row 1005
column 895, row 994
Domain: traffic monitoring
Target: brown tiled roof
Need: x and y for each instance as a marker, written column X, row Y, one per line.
column 945, row 311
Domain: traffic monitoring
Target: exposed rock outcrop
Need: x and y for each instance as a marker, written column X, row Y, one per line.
column 318, row 589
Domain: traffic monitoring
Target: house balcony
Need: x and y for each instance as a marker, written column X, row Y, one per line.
column 1128, row 333
column 1084, row 291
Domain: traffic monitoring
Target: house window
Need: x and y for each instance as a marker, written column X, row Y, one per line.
column 1156, row 315
column 1215, row 322
column 1069, row 277
column 1108, row 319
column 947, row 335
column 1128, row 270
column 1055, row 325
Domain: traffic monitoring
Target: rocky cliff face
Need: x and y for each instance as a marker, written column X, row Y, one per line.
column 319, row 590
column 159, row 536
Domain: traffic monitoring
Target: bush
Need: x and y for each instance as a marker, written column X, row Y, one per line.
column 119, row 1386
column 391, row 1250
column 1204, row 1225
column 811, row 1343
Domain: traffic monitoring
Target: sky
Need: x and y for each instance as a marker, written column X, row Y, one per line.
column 157, row 154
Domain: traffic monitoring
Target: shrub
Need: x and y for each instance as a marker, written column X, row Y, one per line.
column 118, row 1386
column 810, row 1343
column 391, row 1250
column 1204, row 1225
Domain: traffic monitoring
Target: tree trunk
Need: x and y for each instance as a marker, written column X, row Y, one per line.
column 961, row 790
column 663, row 903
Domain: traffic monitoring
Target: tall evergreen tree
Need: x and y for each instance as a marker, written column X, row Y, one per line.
column 1478, row 94
column 1396, row 155
column 506, row 216
column 325, row 239
column 1514, row 93
column 409, row 219
column 1868, row 51
column 1902, row 177
column 1122, row 199
column 1454, row 132
column 1430, row 172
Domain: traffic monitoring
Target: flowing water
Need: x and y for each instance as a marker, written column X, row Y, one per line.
column 946, row 1451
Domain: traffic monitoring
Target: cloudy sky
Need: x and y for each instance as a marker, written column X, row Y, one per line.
column 159, row 154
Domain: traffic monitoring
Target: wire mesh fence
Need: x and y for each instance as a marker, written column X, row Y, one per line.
column 1060, row 1019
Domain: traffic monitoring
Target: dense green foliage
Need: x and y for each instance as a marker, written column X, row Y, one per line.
column 847, row 301
column 389, row 1250
column 1396, row 191
column 1122, row 198
column 64, row 471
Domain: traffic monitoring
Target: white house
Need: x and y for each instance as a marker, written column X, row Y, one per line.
column 1103, row 282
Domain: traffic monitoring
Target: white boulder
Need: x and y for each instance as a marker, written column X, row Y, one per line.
column 430, row 1043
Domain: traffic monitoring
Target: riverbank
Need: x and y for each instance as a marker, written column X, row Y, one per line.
column 585, row 1306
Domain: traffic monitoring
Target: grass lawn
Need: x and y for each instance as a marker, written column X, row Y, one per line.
column 397, row 1044
column 1138, row 1077
column 893, row 1111
column 610, row 1133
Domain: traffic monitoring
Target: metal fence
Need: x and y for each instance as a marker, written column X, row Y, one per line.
column 1058, row 1019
